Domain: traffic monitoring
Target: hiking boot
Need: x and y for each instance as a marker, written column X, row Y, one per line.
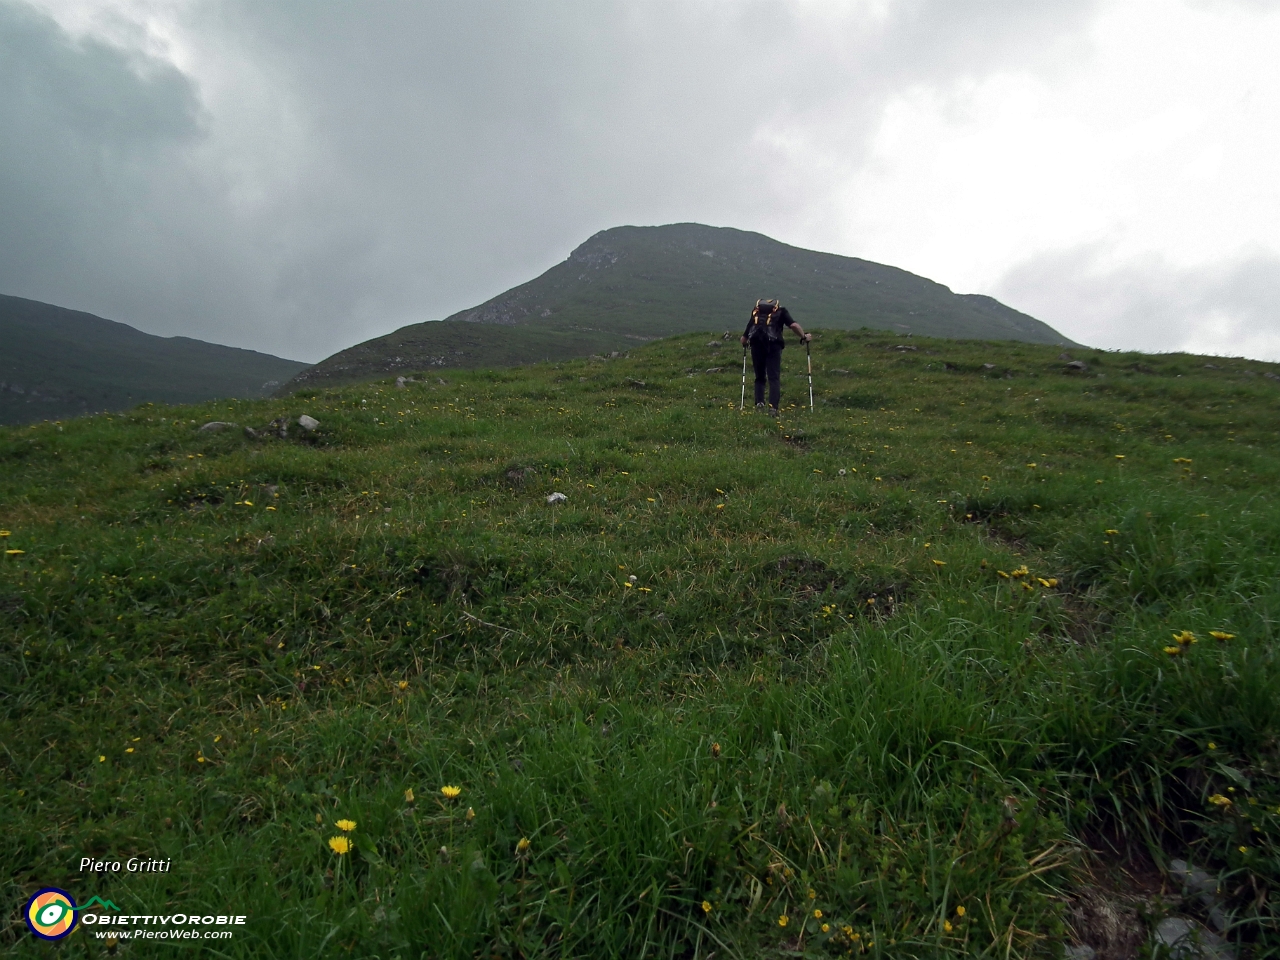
column 760, row 408
column 773, row 412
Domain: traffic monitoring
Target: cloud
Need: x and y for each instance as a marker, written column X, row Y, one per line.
column 297, row 177
column 1151, row 304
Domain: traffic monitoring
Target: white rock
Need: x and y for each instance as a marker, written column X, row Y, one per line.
column 213, row 426
column 556, row 498
column 400, row 383
column 308, row 423
column 1184, row 939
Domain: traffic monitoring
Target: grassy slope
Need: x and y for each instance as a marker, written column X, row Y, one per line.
column 68, row 363
column 819, row 694
column 631, row 284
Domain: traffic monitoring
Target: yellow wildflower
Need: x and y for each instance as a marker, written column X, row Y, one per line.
column 1111, row 532
column 522, row 847
column 960, row 911
column 14, row 553
column 1212, row 745
column 1185, row 637
column 403, row 684
column 706, row 906
column 715, row 749
column 817, row 914
column 783, row 920
column 340, row 845
column 346, row 826
column 946, row 925
column 102, row 758
column 1049, row 582
column 471, row 813
column 1173, row 651
column 1003, row 574
column 939, row 563
column 826, row 927
column 451, row 793
column 5, row 533
column 1022, row 571
column 1221, row 635
column 1218, row 800
column 408, row 795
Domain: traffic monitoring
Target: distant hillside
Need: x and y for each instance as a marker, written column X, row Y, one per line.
column 59, row 363
column 632, row 284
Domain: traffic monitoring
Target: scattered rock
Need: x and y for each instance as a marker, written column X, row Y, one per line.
column 400, row 383
column 1079, row 951
column 1271, row 376
column 1184, row 939
column 251, row 433
column 714, row 369
column 988, row 366
column 443, row 383
column 1077, row 366
column 906, row 348
column 307, row 423
column 1203, row 887
column 613, row 355
column 216, row 426
column 713, row 343
column 595, row 357
column 1212, row 366
column 556, row 498
column 726, row 335
column 841, row 472
column 1064, row 356
column 281, row 426
column 635, row 383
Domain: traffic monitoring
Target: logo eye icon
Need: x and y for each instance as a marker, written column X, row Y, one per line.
column 51, row 913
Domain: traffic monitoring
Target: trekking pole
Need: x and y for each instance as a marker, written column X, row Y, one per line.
column 809, row 357
column 742, row 403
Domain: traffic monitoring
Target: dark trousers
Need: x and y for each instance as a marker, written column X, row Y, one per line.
column 766, row 358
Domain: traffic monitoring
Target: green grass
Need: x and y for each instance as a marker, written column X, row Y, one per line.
column 820, row 693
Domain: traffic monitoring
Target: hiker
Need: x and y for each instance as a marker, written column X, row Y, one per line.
column 764, row 334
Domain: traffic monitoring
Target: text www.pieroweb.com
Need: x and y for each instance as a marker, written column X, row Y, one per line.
column 176, row 933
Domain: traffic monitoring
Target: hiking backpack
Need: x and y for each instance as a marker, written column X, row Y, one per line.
column 761, row 325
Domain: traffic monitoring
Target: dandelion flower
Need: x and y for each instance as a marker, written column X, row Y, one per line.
column 715, row 749
column 14, row 553
column 939, row 563
column 102, row 758
column 5, row 533
column 1173, row 651
column 1221, row 635
column 1218, row 800
column 706, row 906
column 1110, row 532
column 404, row 684
column 1185, row 637
column 408, row 795
column 340, row 845
column 783, row 920
column 1003, row 574
column 346, row 826
column 451, row 793
column 522, row 848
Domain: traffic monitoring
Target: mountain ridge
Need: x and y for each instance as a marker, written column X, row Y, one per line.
column 629, row 284
column 60, row 363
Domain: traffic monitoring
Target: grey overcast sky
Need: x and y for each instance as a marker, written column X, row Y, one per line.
column 298, row 176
